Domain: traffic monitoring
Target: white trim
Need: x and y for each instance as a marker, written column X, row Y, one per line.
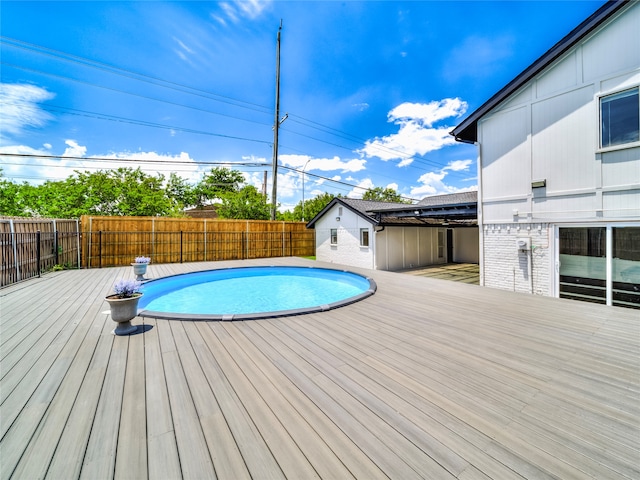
column 608, row 246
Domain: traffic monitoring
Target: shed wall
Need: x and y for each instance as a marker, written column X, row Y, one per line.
column 348, row 250
column 466, row 245
column 398, row 248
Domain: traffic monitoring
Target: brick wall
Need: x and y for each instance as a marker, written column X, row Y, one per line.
column 506, row 269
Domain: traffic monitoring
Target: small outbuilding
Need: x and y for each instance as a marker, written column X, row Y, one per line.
column 396, row 236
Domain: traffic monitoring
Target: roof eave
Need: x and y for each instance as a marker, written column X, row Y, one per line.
column 467, row 131
column 313, row 221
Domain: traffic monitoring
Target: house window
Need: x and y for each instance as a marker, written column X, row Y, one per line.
column 620, row 118
column 364, row 237
column 334, row 236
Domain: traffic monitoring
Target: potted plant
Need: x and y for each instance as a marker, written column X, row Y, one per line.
column 140, row 267
column 124, row 305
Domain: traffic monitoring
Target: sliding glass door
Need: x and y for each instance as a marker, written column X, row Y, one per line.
column 600, row 264
column 583, row 272
column 626, row 266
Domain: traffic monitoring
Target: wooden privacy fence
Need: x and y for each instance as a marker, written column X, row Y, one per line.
column 110, row 241
column 29, row 247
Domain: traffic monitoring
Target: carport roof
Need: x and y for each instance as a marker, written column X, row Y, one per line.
column 454, row 209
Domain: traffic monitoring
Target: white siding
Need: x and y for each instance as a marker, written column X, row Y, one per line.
column 549, row 130
column 348, row 250
column 505, row 154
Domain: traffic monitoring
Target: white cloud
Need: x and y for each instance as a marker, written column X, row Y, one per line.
column 417, row 134
column 322, row 164
column 252, row 8
column 363, row 185
column 235, row 11
column 458, row 165
column 432, row 183
column 73, row 149
column 38, row 166
column 20, row 108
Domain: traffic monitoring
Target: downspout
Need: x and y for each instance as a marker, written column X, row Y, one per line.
column 375, row 253
column 374, row 260
column 480, row 216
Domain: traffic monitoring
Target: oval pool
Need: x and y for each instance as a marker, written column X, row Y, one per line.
column 251, row 292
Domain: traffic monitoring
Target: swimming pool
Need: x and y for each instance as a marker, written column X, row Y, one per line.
column 251, row 292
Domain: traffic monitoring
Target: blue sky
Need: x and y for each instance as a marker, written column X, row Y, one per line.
column 371, row 88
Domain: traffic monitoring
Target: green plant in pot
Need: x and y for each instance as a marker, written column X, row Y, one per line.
column 140, row 267
column 124, row 305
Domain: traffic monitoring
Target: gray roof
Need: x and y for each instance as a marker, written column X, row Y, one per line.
column 451, row 199
column 389, row 213
column 467, row 131
column 366, row 206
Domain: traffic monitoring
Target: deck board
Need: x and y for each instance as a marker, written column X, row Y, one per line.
column 425, row 379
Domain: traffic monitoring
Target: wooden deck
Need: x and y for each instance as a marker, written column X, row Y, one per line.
column 425, row 379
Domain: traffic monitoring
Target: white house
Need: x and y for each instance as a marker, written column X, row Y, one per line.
column 396, row 236
column 559, row 167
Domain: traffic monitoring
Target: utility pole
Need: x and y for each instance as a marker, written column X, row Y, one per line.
column 276, row 125
column 264, row 187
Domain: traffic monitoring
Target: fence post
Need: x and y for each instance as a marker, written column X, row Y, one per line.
column 14, row 245
column 290, row 243
column 55, row 246
column 78, row 248
column 180, row 246
column 100, row 248
column 38, row 251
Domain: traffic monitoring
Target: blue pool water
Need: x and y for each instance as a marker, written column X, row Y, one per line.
column 251, row 292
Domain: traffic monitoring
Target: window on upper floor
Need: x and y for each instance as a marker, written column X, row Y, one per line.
column 334, row 236
column 620, row 118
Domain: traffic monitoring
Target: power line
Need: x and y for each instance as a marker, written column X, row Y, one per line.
column 169, row 163
column 128, row 160
column 114, row 118
column 40, row 72
column 194, row 91
column 131, row 74
column 202, row 93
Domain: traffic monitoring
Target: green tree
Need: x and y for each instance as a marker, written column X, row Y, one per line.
column 380, row 194
column 311, row 208
column 181, row 194
column 215, row 184
column 247, row 204
column 14, row 198
column 125, row 191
